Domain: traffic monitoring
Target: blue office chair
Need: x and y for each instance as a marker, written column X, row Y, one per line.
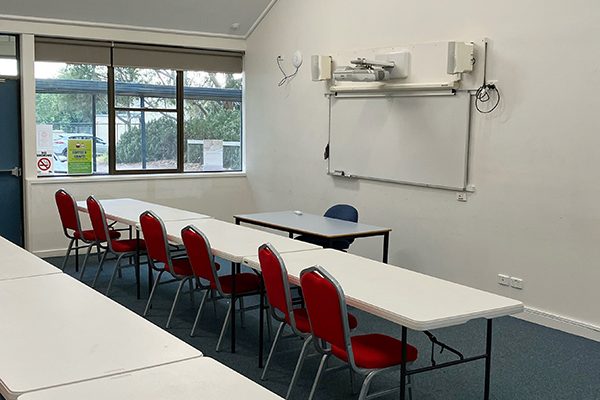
column 339, row 211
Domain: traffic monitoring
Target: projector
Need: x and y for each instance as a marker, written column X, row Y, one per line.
column 354, row 74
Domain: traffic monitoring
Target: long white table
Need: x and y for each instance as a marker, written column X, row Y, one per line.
column 199, row 378
column 16, row 263
column 56, row 330
column 127, row 211
column 410, row 299
column 234, row 243
column 316, row 225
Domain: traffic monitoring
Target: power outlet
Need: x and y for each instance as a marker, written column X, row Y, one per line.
column 503, row 280
column 461, row 196
column 516, row 283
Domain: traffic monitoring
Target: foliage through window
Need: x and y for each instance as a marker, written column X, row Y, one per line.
column 165, row 120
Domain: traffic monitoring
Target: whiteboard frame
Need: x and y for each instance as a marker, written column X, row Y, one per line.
column 466, row 174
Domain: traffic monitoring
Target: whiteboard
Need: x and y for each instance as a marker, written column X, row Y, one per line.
column 420, row 140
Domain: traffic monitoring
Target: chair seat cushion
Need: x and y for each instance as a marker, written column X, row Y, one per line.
column 375, row 351
column 303, row 325
column 244, row 283
column 181, row 266
column 90, row 236
column 127, row 245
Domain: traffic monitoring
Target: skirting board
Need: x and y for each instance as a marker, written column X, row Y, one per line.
column 530, row 314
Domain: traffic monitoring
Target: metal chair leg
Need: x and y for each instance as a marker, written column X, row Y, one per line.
column 352, row 381
column 87, row 254
column 152, row 293
column 298, row 368
column 69, row 248
column 99, row 252
column 318, row 377
column 199, row 313
column 409, row 387
column 214, row 301
column 277, row 335
column 99, row 269
column 175, row 302
column 225, row 324
column 191, row 285
column 365, row 386
column 112, row 277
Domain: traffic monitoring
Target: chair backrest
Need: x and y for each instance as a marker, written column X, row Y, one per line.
column 98, row 219
column 200, row 255
column 67, row 210
column 276, row 281
column 155, row 237
column 342, row 211
column 326, row 307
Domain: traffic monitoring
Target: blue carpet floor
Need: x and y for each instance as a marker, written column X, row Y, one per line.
column 528, row 362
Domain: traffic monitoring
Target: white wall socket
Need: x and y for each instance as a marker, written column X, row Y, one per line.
column 461, row 196
column 503, row 280
column 517, row 283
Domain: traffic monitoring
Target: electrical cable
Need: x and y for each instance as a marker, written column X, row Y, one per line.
column 286, row 77
column 488, row 92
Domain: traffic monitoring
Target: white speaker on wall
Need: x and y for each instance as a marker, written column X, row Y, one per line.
column 321, row 68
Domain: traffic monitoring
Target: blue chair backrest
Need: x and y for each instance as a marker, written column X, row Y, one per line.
column 342, row 211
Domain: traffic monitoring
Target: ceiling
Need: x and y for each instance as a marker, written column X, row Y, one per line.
column 202, row 16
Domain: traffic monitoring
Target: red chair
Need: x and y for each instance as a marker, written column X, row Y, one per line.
column 366, row 355
column 157, row 248
column 120, row 248
column 69, row 217
column 279, row 296
column 204, row 267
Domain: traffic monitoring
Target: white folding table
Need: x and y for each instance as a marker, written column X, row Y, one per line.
column 233, row 243
column 202, row 378
column 18, row 263
column 410, row 299
column 55, row 330
column 128, row 211
column 316, row 225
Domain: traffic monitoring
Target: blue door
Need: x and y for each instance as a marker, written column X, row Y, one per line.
column 11, row 190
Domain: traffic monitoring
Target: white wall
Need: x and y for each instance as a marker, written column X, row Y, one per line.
column 535, row 214
column 219, row 195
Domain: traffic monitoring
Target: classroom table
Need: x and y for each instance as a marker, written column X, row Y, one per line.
column 316, row 225
column 55, row 330
column 233, row 243
column 199, row 378
column 410, row 299
column 127, row 211
column 19, row 263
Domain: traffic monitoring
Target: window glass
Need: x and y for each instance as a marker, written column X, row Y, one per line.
column 71, row 105
column 212, row 121
column 8, row 56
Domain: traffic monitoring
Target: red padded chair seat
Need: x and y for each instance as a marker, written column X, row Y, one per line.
column 127, row 245
column 244, row 283
column 303, row 325
column 90, row 236
column 181, row 266
column 376, row 351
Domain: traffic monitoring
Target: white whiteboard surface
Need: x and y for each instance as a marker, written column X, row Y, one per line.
column 420, row 140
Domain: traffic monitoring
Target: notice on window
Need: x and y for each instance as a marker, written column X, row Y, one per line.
column 45, row 147
column 79, row 156
column 213, row 155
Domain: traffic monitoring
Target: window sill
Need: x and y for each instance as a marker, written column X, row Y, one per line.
column 49, row 180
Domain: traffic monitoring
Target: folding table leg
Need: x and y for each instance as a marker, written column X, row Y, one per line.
column 403, row 366
column 234, row 272
column 386, row 244
column 76, row 255
column 261, row 328
column 137, row 264
column 488, row 360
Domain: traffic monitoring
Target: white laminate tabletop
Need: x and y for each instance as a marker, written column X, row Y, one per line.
column 234, row 242
column 409, row 298
column 55, row 330
column 200, row 378
column 16, row 262
column 127, row 211
column 312, row 224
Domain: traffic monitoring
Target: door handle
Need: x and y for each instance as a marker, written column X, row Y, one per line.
column 16, row 171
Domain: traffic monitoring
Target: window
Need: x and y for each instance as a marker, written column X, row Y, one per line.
column 9, row 66
column 139, row 109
